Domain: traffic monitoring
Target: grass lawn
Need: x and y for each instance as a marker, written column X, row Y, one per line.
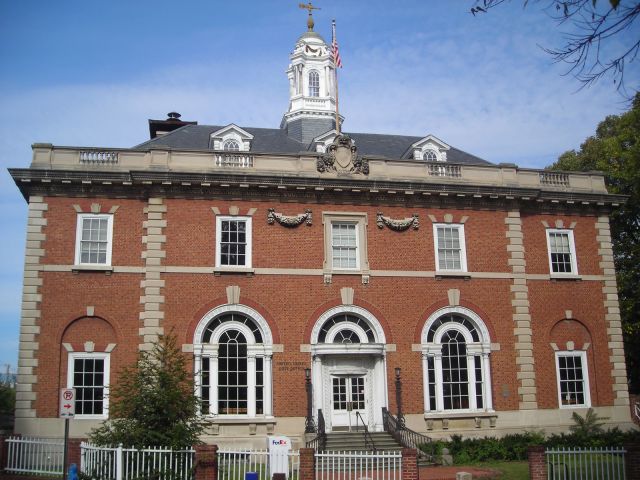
column 510, row 470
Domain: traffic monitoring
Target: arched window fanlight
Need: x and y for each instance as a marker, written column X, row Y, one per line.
column 347, row 326
column 430, row 156
column 231, row 146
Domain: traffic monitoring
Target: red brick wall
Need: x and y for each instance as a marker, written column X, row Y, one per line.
column 292, row 304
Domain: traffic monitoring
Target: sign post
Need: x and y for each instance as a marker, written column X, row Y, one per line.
column 67, row 411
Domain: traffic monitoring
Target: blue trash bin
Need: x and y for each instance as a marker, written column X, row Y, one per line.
column 251, row 476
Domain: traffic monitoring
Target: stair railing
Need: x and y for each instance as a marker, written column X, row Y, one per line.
column 319, row 443
column 368, row 439
column 405, row 436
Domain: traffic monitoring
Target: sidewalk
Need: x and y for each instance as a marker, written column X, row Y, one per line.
column 449, row 473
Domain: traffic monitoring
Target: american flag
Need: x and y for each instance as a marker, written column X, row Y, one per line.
column 337, row 61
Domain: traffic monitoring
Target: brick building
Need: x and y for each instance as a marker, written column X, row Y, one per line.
column 270, row 251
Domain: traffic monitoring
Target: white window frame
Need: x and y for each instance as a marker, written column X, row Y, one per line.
column 360, row 222
column 249, row 241
column 463, row 248
column 572, row 251
column 72, row 356
column 254, row 350
column 356, row 247
column 79, row 224
column 310, row 87
column 585, row 378
column 433, row 350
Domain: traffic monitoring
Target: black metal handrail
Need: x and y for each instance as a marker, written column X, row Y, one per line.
column 405, row 436
column 368, row 439
column 320, row 440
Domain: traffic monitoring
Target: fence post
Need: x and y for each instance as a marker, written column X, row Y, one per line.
column 119, row 462
column 632, row 460
column 409, row 464
column 3, row 452
column 307, row 464
column 206, row 462
column 73, row 452
column 537, row 463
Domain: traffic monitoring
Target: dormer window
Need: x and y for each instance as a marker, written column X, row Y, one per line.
column 314, row 84
column 430, row 156
column 231, row 146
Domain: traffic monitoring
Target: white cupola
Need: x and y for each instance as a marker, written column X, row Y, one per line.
column 312, row 93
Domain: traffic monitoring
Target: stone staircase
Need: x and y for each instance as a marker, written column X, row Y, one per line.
column 354, row 442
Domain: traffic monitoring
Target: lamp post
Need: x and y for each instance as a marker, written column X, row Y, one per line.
column 399, row 397
column 309, row 425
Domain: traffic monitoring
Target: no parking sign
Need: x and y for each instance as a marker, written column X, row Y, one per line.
column 67, row 402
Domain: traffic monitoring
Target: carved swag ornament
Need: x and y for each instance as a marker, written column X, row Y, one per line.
column 289, row 220
column 399, row 225
column 342, row 157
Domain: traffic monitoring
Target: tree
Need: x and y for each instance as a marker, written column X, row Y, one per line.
column 153, row 402
column 593, row 27
column 615, row 150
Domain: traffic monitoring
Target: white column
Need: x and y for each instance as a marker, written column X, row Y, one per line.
column 251, row 384
column 379, row 393
column 437, row 363
column 425, row 381
column 486, row 380
column 213, row 383
column 471, row 375
column 197, row 372
column 266, row 378
column 316, row 379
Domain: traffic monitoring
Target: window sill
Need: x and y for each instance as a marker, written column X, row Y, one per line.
column 239, row 420
column 107, row 269
column 232, row 270
column 452, row 415
column 452, row 274
column 364, row 274
column 444, row 418
column 568, row 277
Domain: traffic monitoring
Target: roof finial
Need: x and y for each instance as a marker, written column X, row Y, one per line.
column 310, row 19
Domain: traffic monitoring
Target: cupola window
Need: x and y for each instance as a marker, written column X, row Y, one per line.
column 314, row 84
column 430, row 156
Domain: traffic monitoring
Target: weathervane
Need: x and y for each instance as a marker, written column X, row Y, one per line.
column 310, row 19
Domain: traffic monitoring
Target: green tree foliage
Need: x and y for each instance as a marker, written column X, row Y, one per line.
column 153, row 403
column 7, row 398
column 615, row 150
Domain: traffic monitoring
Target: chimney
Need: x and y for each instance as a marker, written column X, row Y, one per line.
column 162, row 127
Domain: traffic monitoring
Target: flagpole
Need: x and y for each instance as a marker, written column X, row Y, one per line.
column 335, row 71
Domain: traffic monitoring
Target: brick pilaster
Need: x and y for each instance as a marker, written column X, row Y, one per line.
column 307, row 464
column 632, row 460
column 409, row 464
column 537, row 463
column 612, row 315
column 30, row 311
column 521, row 315
column 206, row 462
column 152, row 299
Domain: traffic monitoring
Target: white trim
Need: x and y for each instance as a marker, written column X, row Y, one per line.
column 572, row 251
column 105, row 392
column 353, row 310
column 79, row 224
column 585, row 377
column 249, row 240
column 267, row 338
column 360, row 221
column 463, row 248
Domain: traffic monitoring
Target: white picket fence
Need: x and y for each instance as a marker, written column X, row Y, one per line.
column 233, row 464
column 34, row 455
column 118, row 463
column 359, row 465
column 586, row 463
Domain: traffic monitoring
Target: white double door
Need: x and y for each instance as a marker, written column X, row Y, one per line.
column 349, row 401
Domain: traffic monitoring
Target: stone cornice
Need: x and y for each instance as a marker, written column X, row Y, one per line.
column 143, row 184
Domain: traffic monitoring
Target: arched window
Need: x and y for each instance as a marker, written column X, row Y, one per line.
column 231, row 146
column 314, row 84
column 430, row 156
column 455, row 351
column 345, row 328
column 233, row 363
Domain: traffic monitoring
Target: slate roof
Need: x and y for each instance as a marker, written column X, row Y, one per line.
column 275, row 140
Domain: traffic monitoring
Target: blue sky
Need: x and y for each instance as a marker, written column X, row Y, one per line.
column 91, row 73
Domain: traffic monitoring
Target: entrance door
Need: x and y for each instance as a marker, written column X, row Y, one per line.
column 348, row 398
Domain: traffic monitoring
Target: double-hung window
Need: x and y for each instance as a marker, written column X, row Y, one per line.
column 450, row 247
column 88, row 373
column 573, row 379
column 344, row 246
column 233, row 244
column 562, row 252
column 94, row 239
